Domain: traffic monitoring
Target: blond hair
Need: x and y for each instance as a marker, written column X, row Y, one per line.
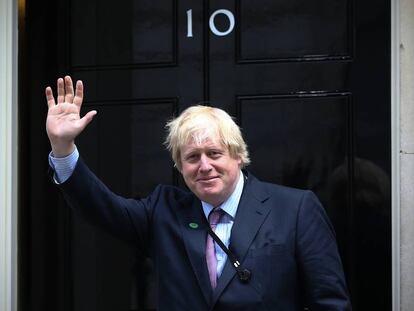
column 198, row 123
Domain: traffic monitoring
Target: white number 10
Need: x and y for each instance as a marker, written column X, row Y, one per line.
column 212, row 24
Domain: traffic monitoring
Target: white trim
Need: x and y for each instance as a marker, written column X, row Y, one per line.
column 8, row 155
column 395, row 153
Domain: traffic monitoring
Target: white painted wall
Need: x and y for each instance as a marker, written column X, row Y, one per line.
column 395, row 153
column 8, row 155
column 406, row 131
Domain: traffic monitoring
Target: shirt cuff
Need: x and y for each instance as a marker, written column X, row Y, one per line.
column 63, row 167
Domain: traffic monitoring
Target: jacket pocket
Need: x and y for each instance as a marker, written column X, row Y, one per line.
column 268, row 250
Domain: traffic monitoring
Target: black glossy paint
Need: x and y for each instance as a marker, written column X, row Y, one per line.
column 307, row 81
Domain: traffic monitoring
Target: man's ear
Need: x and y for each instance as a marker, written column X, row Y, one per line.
column 179, row 168
column 239, row 162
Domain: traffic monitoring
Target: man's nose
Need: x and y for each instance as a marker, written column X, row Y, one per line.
column 205, row 165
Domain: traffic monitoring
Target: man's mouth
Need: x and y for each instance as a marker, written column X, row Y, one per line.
column 207, row 178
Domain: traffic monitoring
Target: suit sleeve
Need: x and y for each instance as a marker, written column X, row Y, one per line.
column 128, row 219
column 318, row 258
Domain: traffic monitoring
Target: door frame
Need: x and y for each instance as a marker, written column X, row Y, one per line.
column 8, row 154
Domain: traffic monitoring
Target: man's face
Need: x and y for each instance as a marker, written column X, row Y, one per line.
column 209, row 170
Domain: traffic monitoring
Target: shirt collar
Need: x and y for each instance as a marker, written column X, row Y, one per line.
column 231, row 204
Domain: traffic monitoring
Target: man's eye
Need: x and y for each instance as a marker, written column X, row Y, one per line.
column 192, row 157
column 214, row 153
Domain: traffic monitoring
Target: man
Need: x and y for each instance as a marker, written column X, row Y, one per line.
column 282, row 251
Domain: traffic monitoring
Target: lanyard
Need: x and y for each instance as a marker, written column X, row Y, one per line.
column 243, row 274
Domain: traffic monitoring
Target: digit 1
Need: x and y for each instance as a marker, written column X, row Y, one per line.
column 189, row 23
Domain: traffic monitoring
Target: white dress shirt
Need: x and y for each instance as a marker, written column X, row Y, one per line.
column 223, row 228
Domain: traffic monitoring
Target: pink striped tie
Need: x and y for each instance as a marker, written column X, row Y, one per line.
column 213, row 219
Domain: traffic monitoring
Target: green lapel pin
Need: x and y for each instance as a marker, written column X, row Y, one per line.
column 193, row 225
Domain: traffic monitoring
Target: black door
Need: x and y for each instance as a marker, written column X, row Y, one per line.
column 308, row 81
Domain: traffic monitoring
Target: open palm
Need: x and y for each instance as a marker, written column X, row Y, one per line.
column 63, row 123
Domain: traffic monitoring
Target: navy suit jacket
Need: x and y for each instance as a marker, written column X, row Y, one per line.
column 281, row 234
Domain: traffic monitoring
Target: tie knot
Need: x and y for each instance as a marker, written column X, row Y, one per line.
column 214, row 216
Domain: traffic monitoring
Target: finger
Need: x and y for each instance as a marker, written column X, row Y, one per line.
column 87, row 118
column 79, row 94
column 61, row 91
column 49, row 97
column 68, row 89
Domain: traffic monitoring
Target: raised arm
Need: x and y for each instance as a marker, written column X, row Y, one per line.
column 63, row 123
column 83, row 191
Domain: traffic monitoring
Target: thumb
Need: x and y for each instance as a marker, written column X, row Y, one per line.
column 87, row 118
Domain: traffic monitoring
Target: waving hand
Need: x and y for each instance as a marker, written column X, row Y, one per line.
column 63, row 123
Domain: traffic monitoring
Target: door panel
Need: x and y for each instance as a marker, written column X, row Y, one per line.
column 303, row 141
column 135, row 33
column 137, row 75
column 291, row 30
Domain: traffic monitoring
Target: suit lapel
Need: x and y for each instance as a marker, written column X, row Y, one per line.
column 251, row 213
column 194, row 228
